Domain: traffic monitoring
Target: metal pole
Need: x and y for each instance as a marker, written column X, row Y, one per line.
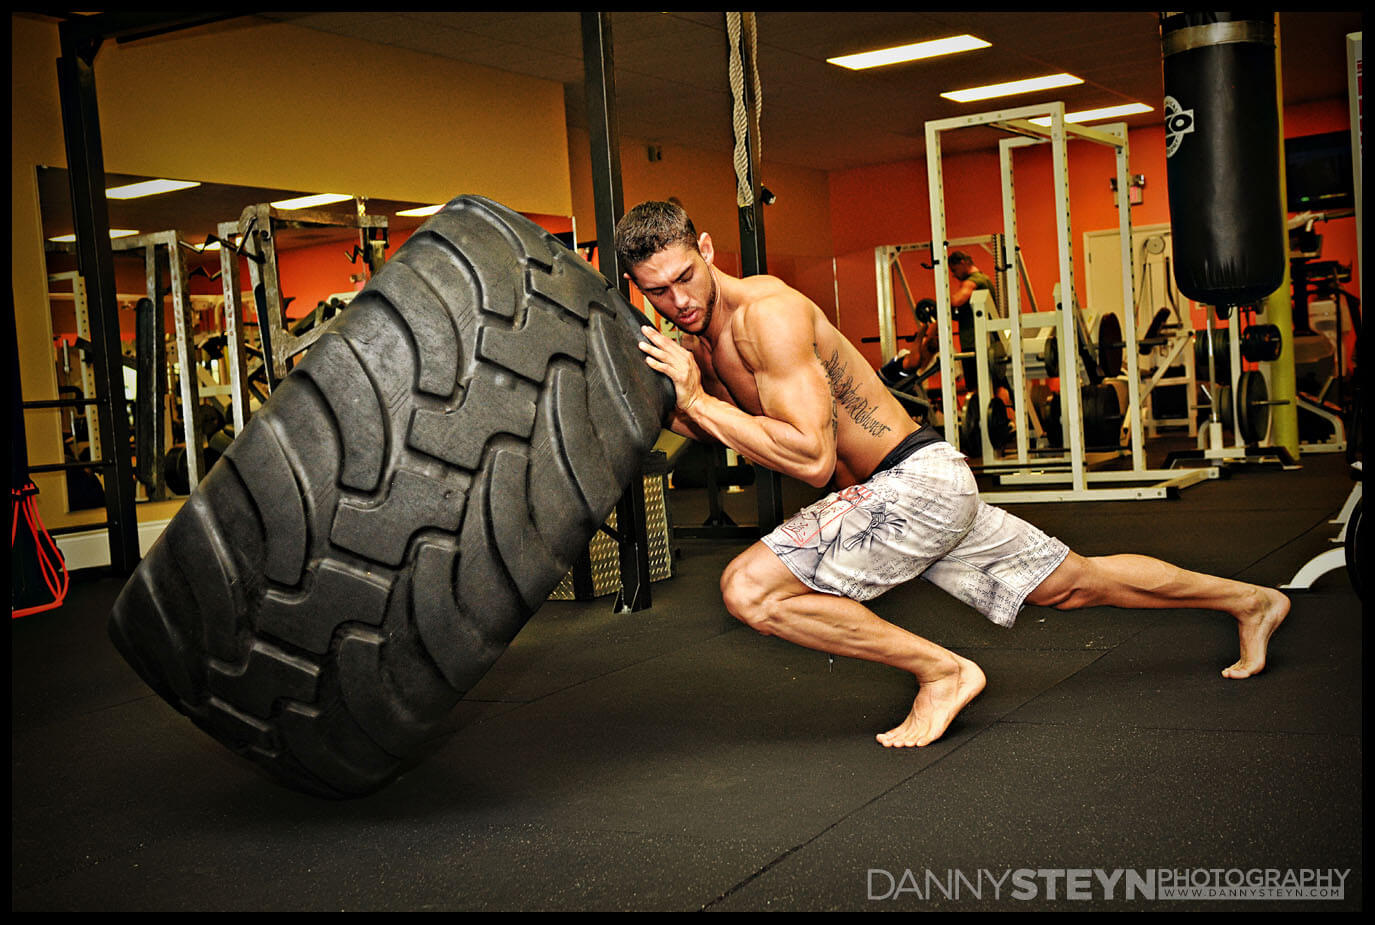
column 267, row 292
column 600, row 80
column 602, row 123
column 188, row 381
column 152, row 341
column 86, row 169
column 1124, row 234
column 1012, row 291
column 1282, row 381
column 884, row 258
column 949, row 366
column 233, row 327
column 1071, row 414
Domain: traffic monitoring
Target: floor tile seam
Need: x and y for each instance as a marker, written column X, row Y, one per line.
column 783, row 856
column 1323, row 519
column 1009, row 648
column 1139, row 727
column 84, row 714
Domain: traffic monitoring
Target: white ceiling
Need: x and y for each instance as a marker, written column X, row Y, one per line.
column 672, row 86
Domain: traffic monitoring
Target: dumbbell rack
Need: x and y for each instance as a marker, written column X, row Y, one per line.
column 1143, row 483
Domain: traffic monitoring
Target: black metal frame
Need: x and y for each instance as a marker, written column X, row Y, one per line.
column 80, row 39
column 600, row 82
column 86, row 170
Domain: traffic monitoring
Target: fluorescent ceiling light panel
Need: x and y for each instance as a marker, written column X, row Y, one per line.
column 114, row 233
column 423, row 210
column 305, row 202
column 1093, row 115
column 148, row 188
column 1030, row 85
column 913, row 52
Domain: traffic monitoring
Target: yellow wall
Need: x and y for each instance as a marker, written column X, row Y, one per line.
column 280, row 106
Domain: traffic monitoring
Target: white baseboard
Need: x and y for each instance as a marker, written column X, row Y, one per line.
column 91, row 549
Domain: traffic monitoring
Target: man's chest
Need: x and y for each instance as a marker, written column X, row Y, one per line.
column 728, row 378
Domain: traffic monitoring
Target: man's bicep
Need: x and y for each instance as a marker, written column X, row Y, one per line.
column 791, row 377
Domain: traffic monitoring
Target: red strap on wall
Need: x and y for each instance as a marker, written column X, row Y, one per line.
column 50, row 562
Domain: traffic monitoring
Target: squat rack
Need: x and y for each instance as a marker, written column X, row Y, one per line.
column 256, row 235
column 164, row 248
column 1148, row 483
column 888, row 257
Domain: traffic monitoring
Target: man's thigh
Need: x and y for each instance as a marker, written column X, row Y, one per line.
column 998, row 564
column 756, row 577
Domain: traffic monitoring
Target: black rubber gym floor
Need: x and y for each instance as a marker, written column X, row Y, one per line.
column 673, row 759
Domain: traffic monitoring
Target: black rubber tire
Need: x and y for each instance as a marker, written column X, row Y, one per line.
column 406, row 499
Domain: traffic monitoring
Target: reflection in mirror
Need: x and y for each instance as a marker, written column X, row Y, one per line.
column 169, row 263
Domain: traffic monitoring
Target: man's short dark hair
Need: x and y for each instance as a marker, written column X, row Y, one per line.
column 959, row 257
column 650, row 228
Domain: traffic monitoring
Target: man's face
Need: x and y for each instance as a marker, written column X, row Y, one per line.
column 962, row 269
column 679, row 283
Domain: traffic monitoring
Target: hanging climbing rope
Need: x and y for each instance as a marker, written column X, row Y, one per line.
column 742, row 26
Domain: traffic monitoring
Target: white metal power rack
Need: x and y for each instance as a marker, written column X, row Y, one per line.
column 1141, row 483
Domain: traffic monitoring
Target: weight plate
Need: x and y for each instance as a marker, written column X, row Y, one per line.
column 1110, row 345
column 1254, row 412
column 1260, row 343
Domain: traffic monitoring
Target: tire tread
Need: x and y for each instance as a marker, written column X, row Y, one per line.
column 405, row 500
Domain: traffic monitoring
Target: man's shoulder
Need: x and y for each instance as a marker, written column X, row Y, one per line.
column 774, row 326
column 770, row 301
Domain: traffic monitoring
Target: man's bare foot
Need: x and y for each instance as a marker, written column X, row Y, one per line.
column 938, row 702
column 1255, row 630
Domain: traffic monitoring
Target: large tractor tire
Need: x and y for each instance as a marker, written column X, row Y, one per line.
column 410, row 494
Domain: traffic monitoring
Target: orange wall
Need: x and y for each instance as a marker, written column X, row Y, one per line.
column 797, row 227
column 888, row 204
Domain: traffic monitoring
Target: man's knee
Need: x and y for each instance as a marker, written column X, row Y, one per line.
column 1069, row 587
column 747, row 594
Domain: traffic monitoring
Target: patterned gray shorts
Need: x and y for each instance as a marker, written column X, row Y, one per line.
column 921, row 517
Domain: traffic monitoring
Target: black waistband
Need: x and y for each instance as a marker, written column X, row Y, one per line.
column 914, row 441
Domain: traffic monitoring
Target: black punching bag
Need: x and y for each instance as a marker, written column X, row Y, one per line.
column 1222, row 156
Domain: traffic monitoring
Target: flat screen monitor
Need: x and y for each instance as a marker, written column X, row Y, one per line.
column 1318, row 172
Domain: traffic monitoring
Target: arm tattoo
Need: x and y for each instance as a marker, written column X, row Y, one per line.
column 846, row 392
column 835, row 415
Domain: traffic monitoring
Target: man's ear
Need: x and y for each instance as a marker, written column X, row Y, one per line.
column 704, row 246
column 632, row 281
